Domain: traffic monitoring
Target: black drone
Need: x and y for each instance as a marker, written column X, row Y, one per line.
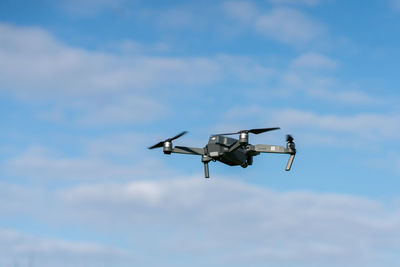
column 230, row 151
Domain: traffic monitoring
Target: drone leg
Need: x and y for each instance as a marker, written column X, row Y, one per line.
column 206, row 171
column 206, row 159
column 290, row 162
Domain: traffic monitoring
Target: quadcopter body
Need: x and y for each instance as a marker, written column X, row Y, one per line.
column 230, row 151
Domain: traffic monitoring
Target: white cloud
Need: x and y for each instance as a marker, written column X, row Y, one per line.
column 80, row 80
column 396, row 4
column 292, row 228
column 54, row 68
column 286, row 25
column 297, row 2
column 41, row 164
column 18, row 249
column 244, row 11
column 184, row 17
column 123, row 111
column 332, row 129
column 314, row 61
column 97, row 88
column 312, row 77
column 134, row 47
column 350, row 97
column 367, row 125
column 147, row 193
column 226, row 220
column 331, row 225
column 323, row 87
column 91, row 7
column 308, row 74
column 121, row 145
column 289, row 26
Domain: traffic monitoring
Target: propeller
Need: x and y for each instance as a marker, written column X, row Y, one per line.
column 254, row 131
column 161, row 144
column 244, row 139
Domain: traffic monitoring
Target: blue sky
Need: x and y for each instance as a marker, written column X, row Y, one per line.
column 86, row 86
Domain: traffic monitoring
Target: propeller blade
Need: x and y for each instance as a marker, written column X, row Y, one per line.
column 254, row 131
column 160, row 144
column 262, row 130
column 177, row 136
column 228, row 133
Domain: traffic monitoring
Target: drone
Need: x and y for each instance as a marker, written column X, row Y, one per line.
column 230, row 151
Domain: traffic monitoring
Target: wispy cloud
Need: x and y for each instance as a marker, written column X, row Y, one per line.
column 295, row 228
column 105, row 88
column 330, row 129
column 283, row 24
column 18, row 249
column 179, row 17
column 31, row 53
column 314, row 61
column 366, row 125
column 41, row 164
column 244, row 11
column 86, row 191
column 91, row 7
column 396, row 4
column 289, row 26
column 311, row 74
column 297, row 2
column 97, row 88
column 38, row 163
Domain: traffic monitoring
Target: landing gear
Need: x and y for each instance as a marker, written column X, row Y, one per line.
column 205, row 159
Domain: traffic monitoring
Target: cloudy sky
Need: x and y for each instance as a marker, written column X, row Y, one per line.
column 86, row 86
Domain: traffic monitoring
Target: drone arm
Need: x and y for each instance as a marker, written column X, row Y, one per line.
column 194, row 151
column 278, row 149
column 272, row 149
column 188, row 150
